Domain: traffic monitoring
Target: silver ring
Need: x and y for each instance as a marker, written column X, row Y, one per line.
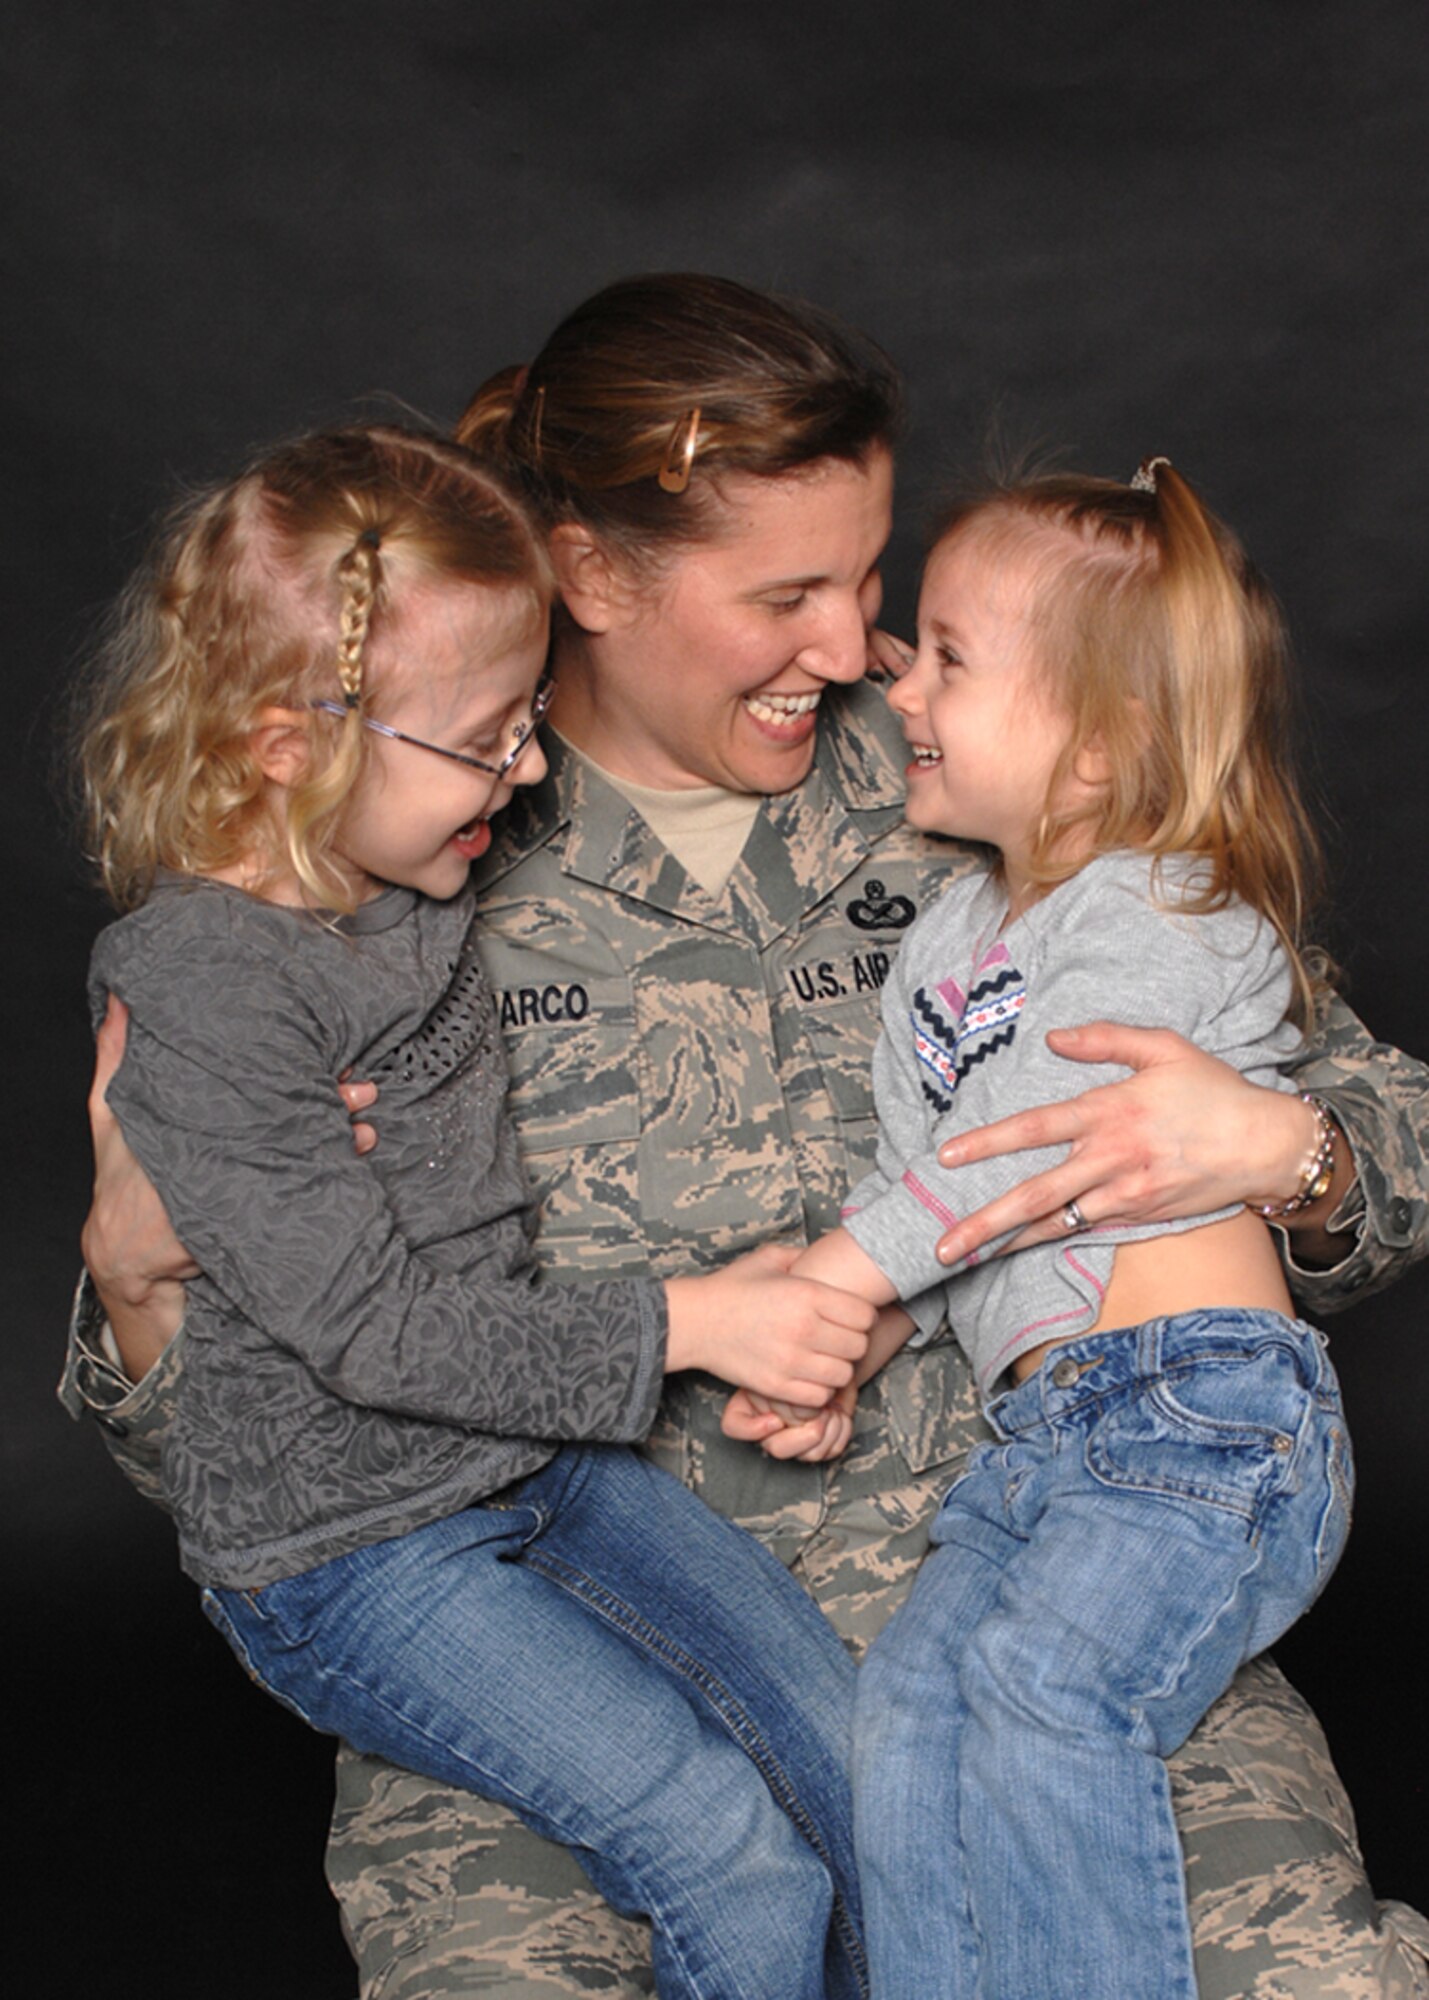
column 1072, row 1218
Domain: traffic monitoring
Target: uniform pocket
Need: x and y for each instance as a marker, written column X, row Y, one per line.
column 575, row 1100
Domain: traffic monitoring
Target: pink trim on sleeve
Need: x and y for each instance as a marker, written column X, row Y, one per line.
column 937, row 1208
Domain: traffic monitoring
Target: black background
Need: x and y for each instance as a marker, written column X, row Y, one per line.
column 1118, row 227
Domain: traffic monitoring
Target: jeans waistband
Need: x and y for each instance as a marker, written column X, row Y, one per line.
column 1095, row 1365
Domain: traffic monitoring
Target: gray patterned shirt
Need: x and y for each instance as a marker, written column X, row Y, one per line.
column 369, row 1348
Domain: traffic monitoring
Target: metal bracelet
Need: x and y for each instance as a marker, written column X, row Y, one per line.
column 1318, row 1171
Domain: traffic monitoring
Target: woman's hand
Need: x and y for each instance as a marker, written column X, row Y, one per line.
column 137, row 1263
column 357, row 1098
column 793, row 1339
column 1185, row 1134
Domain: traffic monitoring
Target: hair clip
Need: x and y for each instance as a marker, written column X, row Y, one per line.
column 1143, row 480
column 679, row 459
column 352, row 697
column 536, row 423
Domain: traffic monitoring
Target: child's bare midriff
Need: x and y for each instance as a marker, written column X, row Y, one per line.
column 1231, row 1263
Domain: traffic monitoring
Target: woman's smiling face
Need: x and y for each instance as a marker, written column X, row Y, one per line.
column 710, row 673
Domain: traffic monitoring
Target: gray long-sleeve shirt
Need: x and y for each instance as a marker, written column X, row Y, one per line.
column 965, row 1013
column 368, row 1348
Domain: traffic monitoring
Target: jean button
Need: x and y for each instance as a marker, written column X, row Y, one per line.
column 1065, row 1373
column 1283, row 1443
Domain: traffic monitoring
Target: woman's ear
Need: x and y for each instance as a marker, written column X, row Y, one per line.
column 279, row 741
column 595, row 586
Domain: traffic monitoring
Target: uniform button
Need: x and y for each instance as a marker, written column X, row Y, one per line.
column 114, row 1425
column 1401, row 1214
column 1065, row 1373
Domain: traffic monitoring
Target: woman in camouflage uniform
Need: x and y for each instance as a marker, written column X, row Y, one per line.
column 687, row 926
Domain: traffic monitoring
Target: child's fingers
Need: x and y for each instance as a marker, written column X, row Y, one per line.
column 838, row 1342
column 746, row 1420
column 792, row 1413
column 838, row 1433
column 842, row 1309
column 810, row 1379
column 795, row 1440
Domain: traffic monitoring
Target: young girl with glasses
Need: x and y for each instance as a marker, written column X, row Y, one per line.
column 1099, row 697
column 397, row 1463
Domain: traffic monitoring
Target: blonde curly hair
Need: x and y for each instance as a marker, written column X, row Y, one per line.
column 270, row 590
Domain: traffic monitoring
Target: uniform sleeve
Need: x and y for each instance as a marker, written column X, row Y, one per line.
column 1380, row 1098
column 1097, row 950
column 226, row 1097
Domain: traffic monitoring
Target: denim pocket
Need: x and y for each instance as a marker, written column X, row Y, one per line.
column 1222, row 1433
column 1334, row 1524
column 225, row 1609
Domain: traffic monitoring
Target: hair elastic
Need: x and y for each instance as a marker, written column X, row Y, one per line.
column 679, row 459
column 1143, row 480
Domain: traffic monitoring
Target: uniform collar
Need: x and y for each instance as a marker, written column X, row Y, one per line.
column 803, row 841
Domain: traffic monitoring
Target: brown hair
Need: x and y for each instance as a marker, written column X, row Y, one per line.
column 652, row 365
column 273, row 589
column 1165, row 646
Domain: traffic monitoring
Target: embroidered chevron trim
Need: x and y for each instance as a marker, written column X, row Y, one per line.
column 948, row 1050
column 988, row 1048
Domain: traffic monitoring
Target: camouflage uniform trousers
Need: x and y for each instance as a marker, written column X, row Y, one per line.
column 444, row 1895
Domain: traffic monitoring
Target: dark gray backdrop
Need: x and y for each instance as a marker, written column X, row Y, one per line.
column 1120, row 227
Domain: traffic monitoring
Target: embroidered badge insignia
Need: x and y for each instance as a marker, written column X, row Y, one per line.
column 876, row 910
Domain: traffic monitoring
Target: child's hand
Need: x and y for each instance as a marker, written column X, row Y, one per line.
column 751, row 1419
column 788, row 1430
column 822, row 1434
column 795, row 1339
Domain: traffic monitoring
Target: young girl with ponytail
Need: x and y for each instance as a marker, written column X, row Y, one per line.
column 1099, row 697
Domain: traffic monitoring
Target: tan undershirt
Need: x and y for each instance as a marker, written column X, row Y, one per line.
column 705, row 827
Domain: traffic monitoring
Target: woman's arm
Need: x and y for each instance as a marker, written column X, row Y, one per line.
column 1185, row 1133
column 135, row 1260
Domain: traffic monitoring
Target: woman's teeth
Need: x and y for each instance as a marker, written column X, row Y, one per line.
column 925, row 756
column 777, row 708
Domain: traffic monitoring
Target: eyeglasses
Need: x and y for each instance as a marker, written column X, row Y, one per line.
column 540, row 702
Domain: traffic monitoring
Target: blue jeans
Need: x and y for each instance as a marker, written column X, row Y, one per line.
column 1165, row 1501
column 634, row 1676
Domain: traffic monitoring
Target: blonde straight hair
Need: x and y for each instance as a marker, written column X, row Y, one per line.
column 1165, row 647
